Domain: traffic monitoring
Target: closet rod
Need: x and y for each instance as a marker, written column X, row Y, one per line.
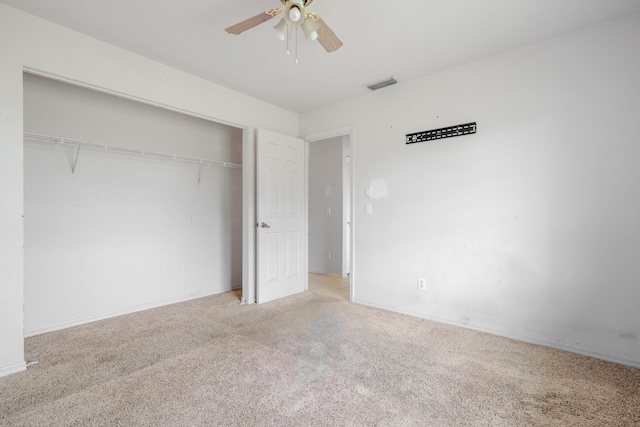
column 77, row 144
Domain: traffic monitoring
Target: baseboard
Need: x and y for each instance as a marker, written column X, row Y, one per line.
column 13, row 369
column 585, row 351
column 115, row 313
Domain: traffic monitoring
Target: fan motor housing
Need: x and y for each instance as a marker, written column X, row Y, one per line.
column 305, row 3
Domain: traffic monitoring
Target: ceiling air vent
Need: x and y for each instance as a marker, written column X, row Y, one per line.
column 384, row 83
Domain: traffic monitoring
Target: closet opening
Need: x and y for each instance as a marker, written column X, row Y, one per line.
column 127, row 206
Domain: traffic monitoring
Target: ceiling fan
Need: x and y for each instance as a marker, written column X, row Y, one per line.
column 294, row 16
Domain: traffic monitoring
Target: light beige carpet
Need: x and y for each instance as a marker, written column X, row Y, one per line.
column 308, row 360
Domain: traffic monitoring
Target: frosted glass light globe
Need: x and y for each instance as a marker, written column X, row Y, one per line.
column 294, row 14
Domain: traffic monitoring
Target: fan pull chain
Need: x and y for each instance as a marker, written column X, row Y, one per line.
column 288, row 40
column 296, row 45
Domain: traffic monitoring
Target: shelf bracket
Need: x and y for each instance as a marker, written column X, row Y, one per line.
column 75, row 161
column 200, row 170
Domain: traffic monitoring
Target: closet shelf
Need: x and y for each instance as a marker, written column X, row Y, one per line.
column 84, row 144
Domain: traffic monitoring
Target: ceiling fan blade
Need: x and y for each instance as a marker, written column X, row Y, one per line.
column 253, row 22
column 327, row 38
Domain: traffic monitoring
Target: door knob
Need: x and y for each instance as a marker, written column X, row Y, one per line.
column 263, row 225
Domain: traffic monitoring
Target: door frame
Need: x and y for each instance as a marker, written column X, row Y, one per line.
column 319, row 136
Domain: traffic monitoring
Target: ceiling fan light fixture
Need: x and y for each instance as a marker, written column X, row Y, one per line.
column 310, row 28
column 294, row 15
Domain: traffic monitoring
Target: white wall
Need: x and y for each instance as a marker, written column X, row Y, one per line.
column 11, row 232
column 325, row 206
column 124, row 232
column 531, row 227
column 26, row 41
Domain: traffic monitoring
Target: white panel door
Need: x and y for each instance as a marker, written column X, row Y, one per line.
column 282, row 240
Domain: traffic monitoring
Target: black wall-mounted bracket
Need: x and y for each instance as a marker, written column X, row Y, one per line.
column 442, row 133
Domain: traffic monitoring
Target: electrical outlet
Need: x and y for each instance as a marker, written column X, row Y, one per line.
column 329, row 253
column 422, row 283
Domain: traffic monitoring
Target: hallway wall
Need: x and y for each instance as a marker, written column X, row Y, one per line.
column 325, row 206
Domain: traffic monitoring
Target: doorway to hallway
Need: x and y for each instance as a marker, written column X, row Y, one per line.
column 329, row 214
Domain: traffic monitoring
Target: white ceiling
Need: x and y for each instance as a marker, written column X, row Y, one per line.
column 406, row 40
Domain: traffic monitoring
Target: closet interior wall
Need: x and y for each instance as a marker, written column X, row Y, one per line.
column 120, row 232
